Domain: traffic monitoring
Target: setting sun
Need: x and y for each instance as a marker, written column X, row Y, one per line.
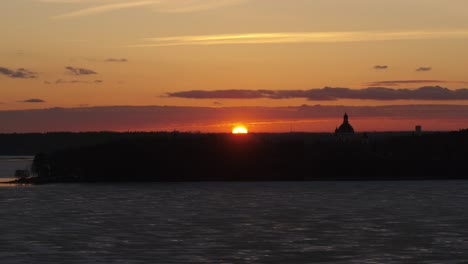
column 240, row 130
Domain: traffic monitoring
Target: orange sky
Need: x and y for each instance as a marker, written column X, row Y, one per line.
column 84, row 53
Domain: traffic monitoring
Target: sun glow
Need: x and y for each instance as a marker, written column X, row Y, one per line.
column 240, row 130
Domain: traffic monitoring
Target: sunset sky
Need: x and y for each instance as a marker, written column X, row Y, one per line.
column 199, row 56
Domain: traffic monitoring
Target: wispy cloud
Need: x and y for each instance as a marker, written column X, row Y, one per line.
column 80, row 71
column 72, row 1
column 20, row 73
column 116, row 60
column 103, row 9
column 435, row 93
column 168, row 6
column 297, row 37
column 424, row 69
column 61, row 81
column 187, row 6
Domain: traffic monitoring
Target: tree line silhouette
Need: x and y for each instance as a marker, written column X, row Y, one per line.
column 167, row 156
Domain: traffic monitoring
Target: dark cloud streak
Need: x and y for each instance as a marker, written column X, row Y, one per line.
column 80, row 71
column 32, row 101
column 20, row 73
column 423, row 69
column 380, row 67
column 436, row 93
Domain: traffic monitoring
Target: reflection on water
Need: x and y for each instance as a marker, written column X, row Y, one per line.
column 274, row 222
column 6, row 183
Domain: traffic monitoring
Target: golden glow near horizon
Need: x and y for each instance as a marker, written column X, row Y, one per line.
column 240, row 130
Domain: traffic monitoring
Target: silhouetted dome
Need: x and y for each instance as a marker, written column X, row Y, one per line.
column 345, row 127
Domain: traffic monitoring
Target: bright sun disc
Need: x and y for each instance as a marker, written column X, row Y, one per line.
column 240, row 130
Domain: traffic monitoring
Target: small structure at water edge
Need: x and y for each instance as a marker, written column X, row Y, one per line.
column 22, row 174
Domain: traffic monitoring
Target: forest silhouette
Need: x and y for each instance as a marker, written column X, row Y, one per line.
column 175, row 156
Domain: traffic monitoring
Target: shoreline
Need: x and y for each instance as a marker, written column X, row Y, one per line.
column 13, row 183
column 37, row 181
column 179, row 157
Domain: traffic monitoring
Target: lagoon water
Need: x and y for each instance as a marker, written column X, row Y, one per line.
column 238, row 222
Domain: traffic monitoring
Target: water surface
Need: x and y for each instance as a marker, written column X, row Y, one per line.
column 273, row 222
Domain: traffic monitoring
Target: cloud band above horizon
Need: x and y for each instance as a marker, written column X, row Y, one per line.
column 435, row 93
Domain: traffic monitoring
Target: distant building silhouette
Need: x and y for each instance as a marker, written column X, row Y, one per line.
column 418, row 130
column 346, row 127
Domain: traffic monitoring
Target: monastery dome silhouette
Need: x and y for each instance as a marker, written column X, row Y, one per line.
column 346, row 127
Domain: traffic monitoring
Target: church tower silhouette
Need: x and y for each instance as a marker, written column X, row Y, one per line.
column 345, row 127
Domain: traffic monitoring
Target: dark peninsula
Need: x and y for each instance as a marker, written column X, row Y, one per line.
column 174, row 156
